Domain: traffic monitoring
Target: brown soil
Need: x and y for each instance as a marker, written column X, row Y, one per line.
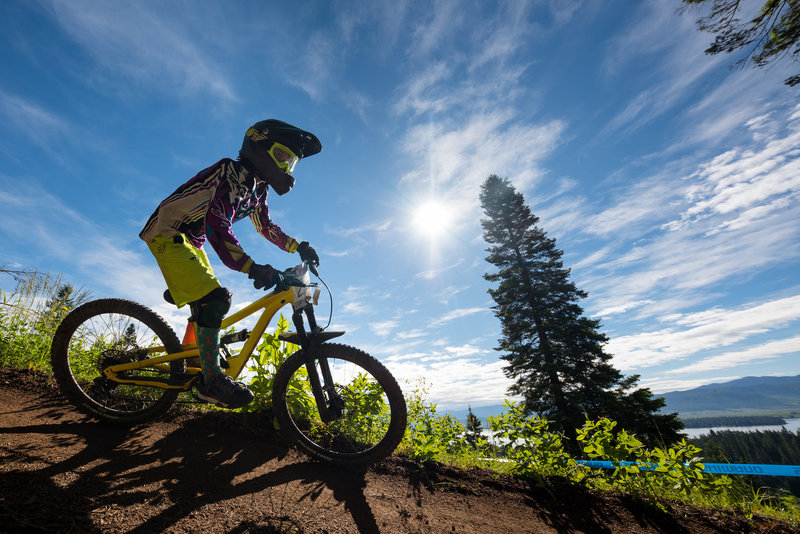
column 225, row 472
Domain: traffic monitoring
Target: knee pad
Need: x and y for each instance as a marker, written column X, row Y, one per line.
column 210, row 309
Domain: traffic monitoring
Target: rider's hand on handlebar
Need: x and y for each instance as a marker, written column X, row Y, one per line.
column 307, row 253
column 264, row 276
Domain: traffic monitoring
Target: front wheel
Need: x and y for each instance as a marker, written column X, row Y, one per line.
column 371, row 410
column 107, row 332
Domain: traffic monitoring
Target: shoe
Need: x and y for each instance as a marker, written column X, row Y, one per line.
column 224, row 392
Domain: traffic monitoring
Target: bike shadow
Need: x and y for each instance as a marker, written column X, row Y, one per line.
column 230, row 467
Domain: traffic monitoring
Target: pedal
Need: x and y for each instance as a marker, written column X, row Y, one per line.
column 236, row 337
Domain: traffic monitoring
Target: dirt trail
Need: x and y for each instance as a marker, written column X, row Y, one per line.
column 223, row 472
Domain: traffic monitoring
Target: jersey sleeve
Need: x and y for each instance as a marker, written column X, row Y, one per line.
column 272, row 231
column 219, row 222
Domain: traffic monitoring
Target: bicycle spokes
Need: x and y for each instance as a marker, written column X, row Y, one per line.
column 359, row 412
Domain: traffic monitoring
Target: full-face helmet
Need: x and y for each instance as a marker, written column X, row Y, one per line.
column 273, row 148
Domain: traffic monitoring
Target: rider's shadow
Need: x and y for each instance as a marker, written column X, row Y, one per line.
column 295, row 495
column 199, row 466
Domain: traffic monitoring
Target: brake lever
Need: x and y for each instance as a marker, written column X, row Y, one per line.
column 286, row 283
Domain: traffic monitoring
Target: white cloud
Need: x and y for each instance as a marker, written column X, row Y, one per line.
column 30, row 119
column 458, row 314
column 461, row 156
column 357, row 308
column 411, row 334
column 465, row 350
column 678, row 46
column 727, row 218
column 150, row 47
column 442, row 20
column 414, row 98
column 767, row 351
column 378, row 227
column 641, row 204
column 744, row 182
column 430, row 274
column 453, row 383
column 52, row 236
column 383, row 328
column 623, row 308
column 697, row 332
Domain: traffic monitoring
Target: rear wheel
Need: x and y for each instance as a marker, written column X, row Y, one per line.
column 370, row 408
column 108, row 332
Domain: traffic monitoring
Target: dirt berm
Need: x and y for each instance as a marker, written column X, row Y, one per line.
column 227, row 473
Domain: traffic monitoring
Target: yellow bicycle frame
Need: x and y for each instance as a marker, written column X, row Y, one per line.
column 269, row 304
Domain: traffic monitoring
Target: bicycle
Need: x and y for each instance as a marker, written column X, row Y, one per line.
column 119, row 361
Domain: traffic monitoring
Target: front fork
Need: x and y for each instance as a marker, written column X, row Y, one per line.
column 329, row 403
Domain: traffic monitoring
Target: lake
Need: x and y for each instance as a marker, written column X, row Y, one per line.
column 792, row 425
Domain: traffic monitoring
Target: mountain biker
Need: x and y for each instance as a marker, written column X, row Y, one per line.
column 204, row 208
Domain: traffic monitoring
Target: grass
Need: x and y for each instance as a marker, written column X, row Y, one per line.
column 29, row 315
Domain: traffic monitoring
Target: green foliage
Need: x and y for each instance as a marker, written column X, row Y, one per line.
column 366, row 415
column 525, row 446
column 675, row 472
column 535, row 451
column 29, row 316
column 474, row 428
column 430, row 436
column 264, row 363
column 771, row 35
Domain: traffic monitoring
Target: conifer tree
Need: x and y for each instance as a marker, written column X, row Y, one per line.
column 474, row 427
column 555, row 354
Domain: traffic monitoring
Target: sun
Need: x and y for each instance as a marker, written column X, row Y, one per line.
column 432, row 218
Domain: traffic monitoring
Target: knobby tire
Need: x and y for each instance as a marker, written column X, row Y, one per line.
column 336, row 442
column 90, row 338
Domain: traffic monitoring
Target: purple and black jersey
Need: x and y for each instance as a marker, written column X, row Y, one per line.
column 206, row 207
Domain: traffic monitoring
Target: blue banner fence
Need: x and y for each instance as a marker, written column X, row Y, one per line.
column 720, row 469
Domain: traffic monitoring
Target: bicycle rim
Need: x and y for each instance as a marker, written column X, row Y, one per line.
column 109, row 332
column 371, row 410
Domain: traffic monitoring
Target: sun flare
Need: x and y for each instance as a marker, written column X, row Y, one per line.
column 433, row 218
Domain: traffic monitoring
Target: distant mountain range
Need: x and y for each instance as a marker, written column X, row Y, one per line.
column 766, row 395
column 779, row 395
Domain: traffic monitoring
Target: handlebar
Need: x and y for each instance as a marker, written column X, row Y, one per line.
column 290, row 279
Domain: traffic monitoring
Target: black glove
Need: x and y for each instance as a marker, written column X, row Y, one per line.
column 264, row 276
column 307, row 253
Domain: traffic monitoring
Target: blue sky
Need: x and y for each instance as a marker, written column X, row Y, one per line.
column 669, row 179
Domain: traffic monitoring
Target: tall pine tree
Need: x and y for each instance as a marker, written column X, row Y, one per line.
column 555, row 354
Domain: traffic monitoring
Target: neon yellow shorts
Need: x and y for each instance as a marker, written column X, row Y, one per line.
column 186, row 269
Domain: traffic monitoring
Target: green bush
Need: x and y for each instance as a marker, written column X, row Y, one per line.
column 534, row 451
column 430, row 436
column 29, row 316
column 264, row 363
column 675, row 472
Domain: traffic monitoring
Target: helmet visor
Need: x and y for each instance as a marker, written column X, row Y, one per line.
column 283, row 157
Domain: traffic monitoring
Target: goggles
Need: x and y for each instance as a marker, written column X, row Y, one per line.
column 283, row 157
